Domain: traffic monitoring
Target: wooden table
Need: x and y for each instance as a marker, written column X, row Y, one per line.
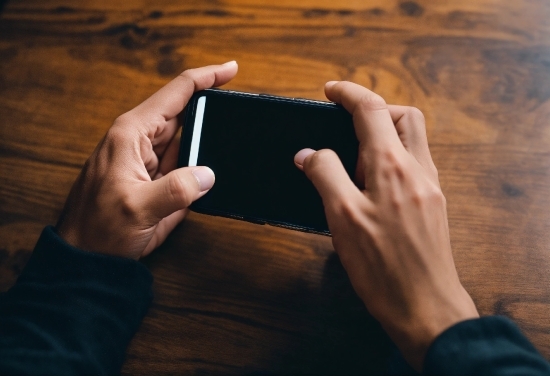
column 234, row 297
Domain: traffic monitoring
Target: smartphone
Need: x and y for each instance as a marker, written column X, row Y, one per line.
column 249, row 141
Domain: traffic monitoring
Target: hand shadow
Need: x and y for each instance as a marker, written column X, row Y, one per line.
column 343, row 337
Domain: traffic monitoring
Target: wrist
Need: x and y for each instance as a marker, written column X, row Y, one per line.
column 66, row 229
column 415, row 335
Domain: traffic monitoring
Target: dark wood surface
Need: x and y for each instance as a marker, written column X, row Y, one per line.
column 237, row 297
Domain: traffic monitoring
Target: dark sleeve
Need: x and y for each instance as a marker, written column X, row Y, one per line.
column 491, row 345
column 71, row 312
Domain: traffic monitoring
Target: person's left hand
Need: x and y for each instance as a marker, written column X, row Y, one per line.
column 128, row 196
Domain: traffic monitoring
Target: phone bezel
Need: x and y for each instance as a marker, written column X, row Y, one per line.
column 185, row 148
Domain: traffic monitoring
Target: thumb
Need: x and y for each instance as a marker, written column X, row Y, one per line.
column 177, row 190
column 326, row 172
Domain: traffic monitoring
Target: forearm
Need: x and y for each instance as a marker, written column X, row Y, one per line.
column 71, row 312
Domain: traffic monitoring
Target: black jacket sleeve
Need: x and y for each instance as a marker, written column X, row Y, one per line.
column 74, row 312
column 71, row 311
column 490, row 345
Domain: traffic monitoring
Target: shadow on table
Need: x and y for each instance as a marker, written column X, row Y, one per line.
column 298, row 328
column 344, row 338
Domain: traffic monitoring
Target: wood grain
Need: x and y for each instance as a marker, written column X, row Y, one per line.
column 233, row 297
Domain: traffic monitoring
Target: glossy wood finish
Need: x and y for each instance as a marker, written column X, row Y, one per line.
column 234, row 297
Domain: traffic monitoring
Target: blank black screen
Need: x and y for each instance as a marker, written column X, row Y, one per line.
column 250, row 142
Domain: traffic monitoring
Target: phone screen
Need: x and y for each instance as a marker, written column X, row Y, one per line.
column 249, row 141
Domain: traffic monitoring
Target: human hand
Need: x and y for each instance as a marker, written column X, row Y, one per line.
column 390, row 228
column 128, row 196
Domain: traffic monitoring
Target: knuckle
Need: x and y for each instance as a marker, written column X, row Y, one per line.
column 397, row 201
column 436, row 196
column 124, row 119
column 434, row 172
column 128, row 205
column 349, row 210
column 371, row 102
column 415, row 115
column 319, row 160
column 392, row 163
column 186, row 74
column 187, row 77
column 190, row 79
column 418, row 198
column 322, row 156
column 428, row 195
column 116, row 135
column 180, row 191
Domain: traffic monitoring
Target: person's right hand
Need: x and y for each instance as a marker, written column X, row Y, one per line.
column 390, row 228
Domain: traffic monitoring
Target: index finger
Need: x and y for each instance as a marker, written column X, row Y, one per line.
column 411, row 129
column 371, row 117
column 171, row 99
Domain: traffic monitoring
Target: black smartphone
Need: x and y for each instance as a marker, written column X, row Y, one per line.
column 249, row 141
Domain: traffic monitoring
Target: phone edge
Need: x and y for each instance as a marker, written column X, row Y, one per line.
column 189, row 112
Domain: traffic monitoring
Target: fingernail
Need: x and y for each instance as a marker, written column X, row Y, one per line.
column 229, row 63
column 301, row 155
column 330, row 84
column 205, row 177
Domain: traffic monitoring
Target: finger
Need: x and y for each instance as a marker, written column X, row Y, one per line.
column 150, row 159
column 163, row 229
column 371, row 117
column 171, row 99
column 162, row 141
column 169, row 160
column 300, row 156
column 176, row 190
column 326, row 172
column 411, row 128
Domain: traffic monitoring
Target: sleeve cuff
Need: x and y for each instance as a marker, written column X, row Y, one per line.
column 53, row 258
column 491, row 345
column 71, row 311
